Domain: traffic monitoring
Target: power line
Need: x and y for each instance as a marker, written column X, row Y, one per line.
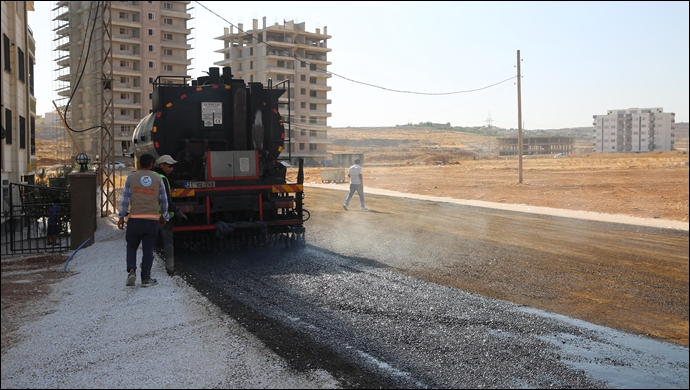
column 352, row 80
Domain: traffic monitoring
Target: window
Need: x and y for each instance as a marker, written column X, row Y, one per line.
column 312, row 80
column 33, row 136
column 251, row 64
column 303, row 91
column 251, row 51
column 312, row 106
column 302, row 105
column 123, row 47
column 31, row 76
column 124, row 96
column 301, row 146
column 303, row 132
column 21, row 75
column 152, row 64
column 281, row 64
column 168, row 67
column 303, row 119
column 167, row 37
column 152, row 32
column 167, row 6
column 312, row 146
column 150, row 96
column 152, row 48
column 124, row 15
column 168, row 21
column 150, row 80
column 6, row 51
column 303, row 64
column 22, row 132
column 303, row 77
column 124, row 64
column 312, row 94
column 312, row 133
column 152, row 16
column 8, row 127
column 124, row 31
column 312, row 67
column 168, row 52
column 312, row 119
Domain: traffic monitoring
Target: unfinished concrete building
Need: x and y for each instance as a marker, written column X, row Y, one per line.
column 287, row 52
column 535, row 145
column 107, row 54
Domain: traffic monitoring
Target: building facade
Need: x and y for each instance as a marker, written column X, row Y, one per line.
column 634, row 130
column 287, row 52
column 107, row 55
column 17, row 100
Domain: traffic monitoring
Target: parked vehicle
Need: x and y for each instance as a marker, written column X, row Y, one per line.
column 560, row 155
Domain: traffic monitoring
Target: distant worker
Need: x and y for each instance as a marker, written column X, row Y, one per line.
column 356, row 185
column 165, row 166
column 53, row 227
column 145, row 198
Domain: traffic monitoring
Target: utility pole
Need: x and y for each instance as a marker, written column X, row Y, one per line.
column 519, row 119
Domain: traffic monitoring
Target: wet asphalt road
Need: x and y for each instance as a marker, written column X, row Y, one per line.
column 371, row 327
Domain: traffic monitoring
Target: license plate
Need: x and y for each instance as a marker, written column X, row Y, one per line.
column 199, row 184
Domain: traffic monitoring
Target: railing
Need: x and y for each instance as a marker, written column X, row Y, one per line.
column 25, row 226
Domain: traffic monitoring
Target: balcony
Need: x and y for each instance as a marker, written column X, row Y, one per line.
column 176, row 29
column 180, row 60
column 176, row 13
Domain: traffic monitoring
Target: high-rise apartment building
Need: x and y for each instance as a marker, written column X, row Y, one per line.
column 107, row 56
column 287, row 52
column 17, row 100
column 634, row 130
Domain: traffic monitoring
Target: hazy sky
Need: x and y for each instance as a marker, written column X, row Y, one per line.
column 578, row 58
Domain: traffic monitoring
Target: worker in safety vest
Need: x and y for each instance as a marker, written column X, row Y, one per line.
column 143, row 199
column 165, row 167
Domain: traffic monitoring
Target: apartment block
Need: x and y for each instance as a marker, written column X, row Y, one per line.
column 634, row 130
column 291, row 55
column 17, row 100
column 107, row 55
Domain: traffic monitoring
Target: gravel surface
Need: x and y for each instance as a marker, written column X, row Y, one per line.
column 98, row 333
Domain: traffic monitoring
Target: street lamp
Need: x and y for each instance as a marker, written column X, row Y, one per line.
column 82, row 160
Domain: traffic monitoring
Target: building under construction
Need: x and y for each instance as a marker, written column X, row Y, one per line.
column 535, row 145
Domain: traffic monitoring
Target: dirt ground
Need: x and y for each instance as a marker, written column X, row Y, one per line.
column 458, row 165
column 439, row 163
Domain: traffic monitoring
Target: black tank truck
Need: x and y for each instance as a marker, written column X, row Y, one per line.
column 226, row 136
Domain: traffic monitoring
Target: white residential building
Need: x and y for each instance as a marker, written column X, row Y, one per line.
column 287, row 52
column 17, row 101
column 634, row 130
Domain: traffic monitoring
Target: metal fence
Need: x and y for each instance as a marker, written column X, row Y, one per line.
column 25, row 220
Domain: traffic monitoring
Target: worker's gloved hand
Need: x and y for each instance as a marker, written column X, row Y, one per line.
column 180, row 214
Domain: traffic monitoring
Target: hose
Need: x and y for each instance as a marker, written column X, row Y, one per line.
column 75, row 252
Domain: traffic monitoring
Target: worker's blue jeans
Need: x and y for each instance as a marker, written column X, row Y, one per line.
column 360, row 192
column 144, row 232
column 166, row 232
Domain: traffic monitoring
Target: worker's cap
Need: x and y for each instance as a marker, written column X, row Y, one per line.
column 165, row 159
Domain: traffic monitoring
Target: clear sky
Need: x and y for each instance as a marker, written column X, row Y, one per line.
column 578, row 58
